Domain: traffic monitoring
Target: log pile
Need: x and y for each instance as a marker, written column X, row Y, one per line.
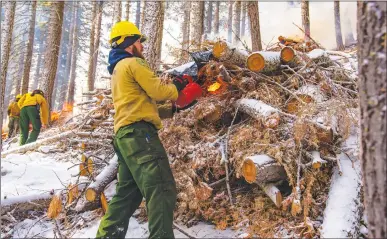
column 271, row 124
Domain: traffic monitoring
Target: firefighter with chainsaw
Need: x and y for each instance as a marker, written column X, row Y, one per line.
column 144, row 170
column 13, row 114
column 34, row 110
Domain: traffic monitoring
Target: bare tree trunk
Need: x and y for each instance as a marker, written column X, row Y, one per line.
column 39, row 60
column 97, row 37
column 66, row 77
column 18, row 80
column 127, row 10
column 197, row 23
column 216, row 18
column 229, row 21
column 243, row 20
column 71, row 87
column 253, row 11
column 209, row 17
column 30, row 47
column 339, row 37
column 185, row 31
column 305, row 18
column 117, row 11
column 6, row 49
column 236, row 26
column 52, row 50
column 349, row 39
column 152, row 27
column 90, row 75
column 372, row 84
column 138, row 13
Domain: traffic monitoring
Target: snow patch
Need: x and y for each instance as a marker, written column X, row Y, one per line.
column 261, row 159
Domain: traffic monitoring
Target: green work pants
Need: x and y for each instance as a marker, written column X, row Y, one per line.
column 143, row 171
column 29, row 114
column 13, row 126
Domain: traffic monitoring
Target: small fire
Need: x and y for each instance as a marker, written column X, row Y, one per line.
column 214, row 87
column 55, row 115
column 67, row 107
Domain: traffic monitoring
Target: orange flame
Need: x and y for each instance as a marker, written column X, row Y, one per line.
column 55, row 115
column 67, row 107
column 214, row 87
column 218, row 87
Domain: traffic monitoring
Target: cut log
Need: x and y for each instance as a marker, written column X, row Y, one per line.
column 308, row 93
column 107, row 175
column 269, row 62
column 273, row 192
column 35, row 145
column 320, row 56
column 55, row 207
column 23, row 204
column 225, row 52
column 262, row 169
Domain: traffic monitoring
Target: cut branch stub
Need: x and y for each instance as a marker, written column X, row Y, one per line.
column 262, row 169
column 273, row 192
column 55, row 206
column 104, row 202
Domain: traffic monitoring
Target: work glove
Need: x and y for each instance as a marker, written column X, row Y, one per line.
column 180, row 83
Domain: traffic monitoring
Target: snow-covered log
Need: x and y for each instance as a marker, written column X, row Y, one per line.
column 23, row 204
column 94, row 135
column 262, row 169
column 107, row 175
column 35, row 145
column 343, row 210
column 268, row 62
column 308, row 93
column 256, row 108
column 225, row 52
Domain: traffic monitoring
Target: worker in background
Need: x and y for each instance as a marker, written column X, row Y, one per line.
column 144, row 169
column 13, row 114
column 34, row 110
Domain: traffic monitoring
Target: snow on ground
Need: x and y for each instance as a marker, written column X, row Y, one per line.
column 33, row 173
column 341, row 215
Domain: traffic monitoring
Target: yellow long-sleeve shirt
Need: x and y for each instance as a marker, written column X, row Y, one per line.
column 37, row 99
column 135, row 90
column 13, row 109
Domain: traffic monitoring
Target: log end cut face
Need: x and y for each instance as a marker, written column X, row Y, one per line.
column 249, row 171
column 90, row 195
column 255, row 62
column 219, row 48
column 287, row 54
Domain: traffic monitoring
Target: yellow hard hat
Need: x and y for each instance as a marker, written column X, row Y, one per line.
column 19, row 96
column 124, row 29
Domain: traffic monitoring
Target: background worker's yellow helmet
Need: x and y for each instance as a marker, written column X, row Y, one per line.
column 19, row 96
column 124, row 29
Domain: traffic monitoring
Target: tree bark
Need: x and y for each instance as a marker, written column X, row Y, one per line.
column 209, row 17
column 18, row 80
column 197, row 23
column 30, row 46
column 339, row 37
column 97, row 38
column 229, row 21
column 243, row 19
column 216, row 17
column 349, row 39
column 138, row 13
column 253, row 11
column 185, row 32
column 117, row 11
column 42, row 42
column 152, row 27
column 52, row 50
column 236, row 26
column 305, row 18
column 71, row 86
column 372, row 84
column 90, row 75
column 127, row 10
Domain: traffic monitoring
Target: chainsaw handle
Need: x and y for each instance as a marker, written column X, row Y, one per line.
column 188, row 77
